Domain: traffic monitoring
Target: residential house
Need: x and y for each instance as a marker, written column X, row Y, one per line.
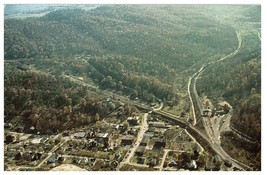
column 152, row 161
column 209, row 166
column 227, row 163
column 145, row 141
column 32, row 128
column 7, row 125
column 133, row 120
column 127, row 140
column 173, row 163
column 140, row 151
column 157, row 124
column 132, row 131
column 141, row 160
column 149, row 134
column 20, row 128
column 53, row 159
column 102, row 138
column 79, row 135
column 65, row 133
column 206, row 110
column 192, row 165
column 220, row 113
column 159, row 143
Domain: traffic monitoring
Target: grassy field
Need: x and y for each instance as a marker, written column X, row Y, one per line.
column 180, row 107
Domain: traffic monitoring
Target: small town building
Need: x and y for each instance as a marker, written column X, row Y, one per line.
column 32, row 128
column 149, row 134
column 53, row 159
column 208, row 166
column 140, row 151
column 127, row 140
column 217, row 159
column 173, row 163
column 133, row 120
column 227, row 163
column 132, row 131
column 79, row 135
column 20, row 128
column 159, row 143
column 141, row 160
column 36, row 140
column 192, row 165
column 8, row 125
column 145, row 141
column 153, row 104
column 65, row 133
column 221, row 112
column 102, row 137
column 157, row 124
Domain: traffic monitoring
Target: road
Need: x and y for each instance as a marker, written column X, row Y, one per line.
column 51, row 152
column 130, row 154
column 160, row 167
column 190, row 96
column 194, row 140
column 202, row 137
column 206, row 142
column 213, row 133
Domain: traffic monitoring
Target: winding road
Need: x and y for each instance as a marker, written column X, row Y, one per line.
column 213, row 133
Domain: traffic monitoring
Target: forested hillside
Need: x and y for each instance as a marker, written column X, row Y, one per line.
column 49, row 103
column 152, row 54
column 156, row 46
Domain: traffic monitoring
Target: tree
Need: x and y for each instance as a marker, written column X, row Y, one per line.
column 125, row 126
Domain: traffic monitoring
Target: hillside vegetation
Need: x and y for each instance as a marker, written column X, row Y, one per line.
column 145, row 52
column 148, row 49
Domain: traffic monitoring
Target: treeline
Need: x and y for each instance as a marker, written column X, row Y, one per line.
column 50, row 103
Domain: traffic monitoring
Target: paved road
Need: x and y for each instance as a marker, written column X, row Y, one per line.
column 194, row 140
column 160, row 167
column 130, row 154
column 190, row 96
column 213, row 133
column 216, row 148
column 51, row 152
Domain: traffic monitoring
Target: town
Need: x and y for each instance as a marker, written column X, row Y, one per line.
column 141, row 141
